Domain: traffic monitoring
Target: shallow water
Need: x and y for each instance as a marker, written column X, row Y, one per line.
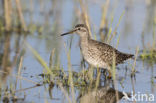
column 138, row 19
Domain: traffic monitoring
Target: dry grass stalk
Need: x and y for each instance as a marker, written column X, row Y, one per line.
column 85, row 16
column 7, row 13
column 20, row 14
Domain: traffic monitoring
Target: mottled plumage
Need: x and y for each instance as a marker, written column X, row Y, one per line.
column 103, row 95
column 105, row 52
column 97, row 53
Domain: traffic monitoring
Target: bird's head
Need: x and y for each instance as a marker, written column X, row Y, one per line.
column 80, row 29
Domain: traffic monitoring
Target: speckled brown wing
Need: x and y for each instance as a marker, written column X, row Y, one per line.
column 106, row 53
column 121, row 57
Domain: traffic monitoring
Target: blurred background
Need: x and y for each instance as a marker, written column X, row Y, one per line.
column 31, row 47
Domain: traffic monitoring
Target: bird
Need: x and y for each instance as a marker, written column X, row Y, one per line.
column 104, row 95
column 96, row 53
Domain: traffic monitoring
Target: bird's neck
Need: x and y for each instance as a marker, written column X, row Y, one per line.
column 84, row 41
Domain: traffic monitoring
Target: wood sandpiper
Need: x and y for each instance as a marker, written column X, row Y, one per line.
column 96, row 53
column 104, row 95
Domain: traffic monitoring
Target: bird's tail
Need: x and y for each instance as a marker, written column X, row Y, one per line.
column 127, row 56
column 122, row 57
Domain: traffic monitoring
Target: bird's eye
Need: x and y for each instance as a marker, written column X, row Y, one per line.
column 79, row 29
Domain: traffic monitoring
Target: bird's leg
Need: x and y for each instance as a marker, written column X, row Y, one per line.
column 108, row 77
column 110, row 74
column 111, row 79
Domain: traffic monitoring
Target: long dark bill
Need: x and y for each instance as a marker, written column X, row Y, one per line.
column 70, row 32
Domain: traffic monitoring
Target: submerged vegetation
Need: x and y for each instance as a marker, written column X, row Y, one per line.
column 32, row 29
column 149, row 53
column 150, row 56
